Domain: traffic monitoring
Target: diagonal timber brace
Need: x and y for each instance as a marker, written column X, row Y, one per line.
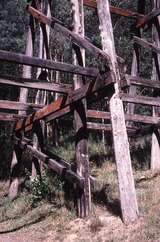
column 59, row 106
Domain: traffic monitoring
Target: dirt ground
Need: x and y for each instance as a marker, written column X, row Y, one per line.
column 102, row 226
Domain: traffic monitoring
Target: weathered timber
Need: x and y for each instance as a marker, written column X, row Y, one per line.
column 8, row 117
column 148, row 18
column 135, row 67
column 71, row 176
column 151, row 101
column 128, row 199
column 98, row 114
column 12, row 105
column 16, row 167
column 99, row 126
column 115, row 10
column 81, row 134
column 128, row 117
column 34, row 61
column 155, row 146
column 74, row 37
column 54, row 165
column 35, row 84
column 138, row 81
column 27, row 68
column 146, row 44
column 56, row 106
column 108, row 129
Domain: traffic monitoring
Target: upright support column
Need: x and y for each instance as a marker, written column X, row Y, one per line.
column 82, row 160
column 155, row 149
column 135, row 60
column 14, row 183
column 15, row 172
column 128, row 199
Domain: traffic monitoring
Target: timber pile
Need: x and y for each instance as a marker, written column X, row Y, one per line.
column 106, row 85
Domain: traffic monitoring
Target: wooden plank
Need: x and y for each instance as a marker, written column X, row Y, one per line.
column 138, row 81
column 75, row 38
column 54, row 165
column 35, row 84
column 98, row 114
column 128, row 117
column 155, row 145
column 8, row 117
column 107, row 128
column 148, row 18
column 12, row 105
column 151, row 101
column 59, row 106
column 47, row 64
column 115, row 10
column 99, row 126
column 127, row 191
column 81, row 134
column 146, row 44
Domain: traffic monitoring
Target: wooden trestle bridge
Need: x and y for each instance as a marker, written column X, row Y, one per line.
column 110, row 82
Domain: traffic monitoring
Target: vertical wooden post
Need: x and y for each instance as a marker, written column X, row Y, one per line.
column 23, row 98
column 128, row 199
column 155, row 149
column 41, row 96
column 15, row 172
column 135, row 60
column 82, row 160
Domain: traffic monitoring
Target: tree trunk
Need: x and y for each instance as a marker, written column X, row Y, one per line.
column 128, row 199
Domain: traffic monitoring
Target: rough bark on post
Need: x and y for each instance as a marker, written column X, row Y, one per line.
column 82, row 160
column 128, row 199
column 155, row 149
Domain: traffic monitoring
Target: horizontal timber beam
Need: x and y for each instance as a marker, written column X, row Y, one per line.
column 107, row 127
column 128, row 117
column 151, row 101
column 146, row 44
column 63, row 105
column 75, row 38
column 47, row 64
column 138, row 81
column 115, row 10
column 9, row 117
column 35, row 84
column 12, row 105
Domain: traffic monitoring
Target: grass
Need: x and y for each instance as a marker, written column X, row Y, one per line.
column 105, row 222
